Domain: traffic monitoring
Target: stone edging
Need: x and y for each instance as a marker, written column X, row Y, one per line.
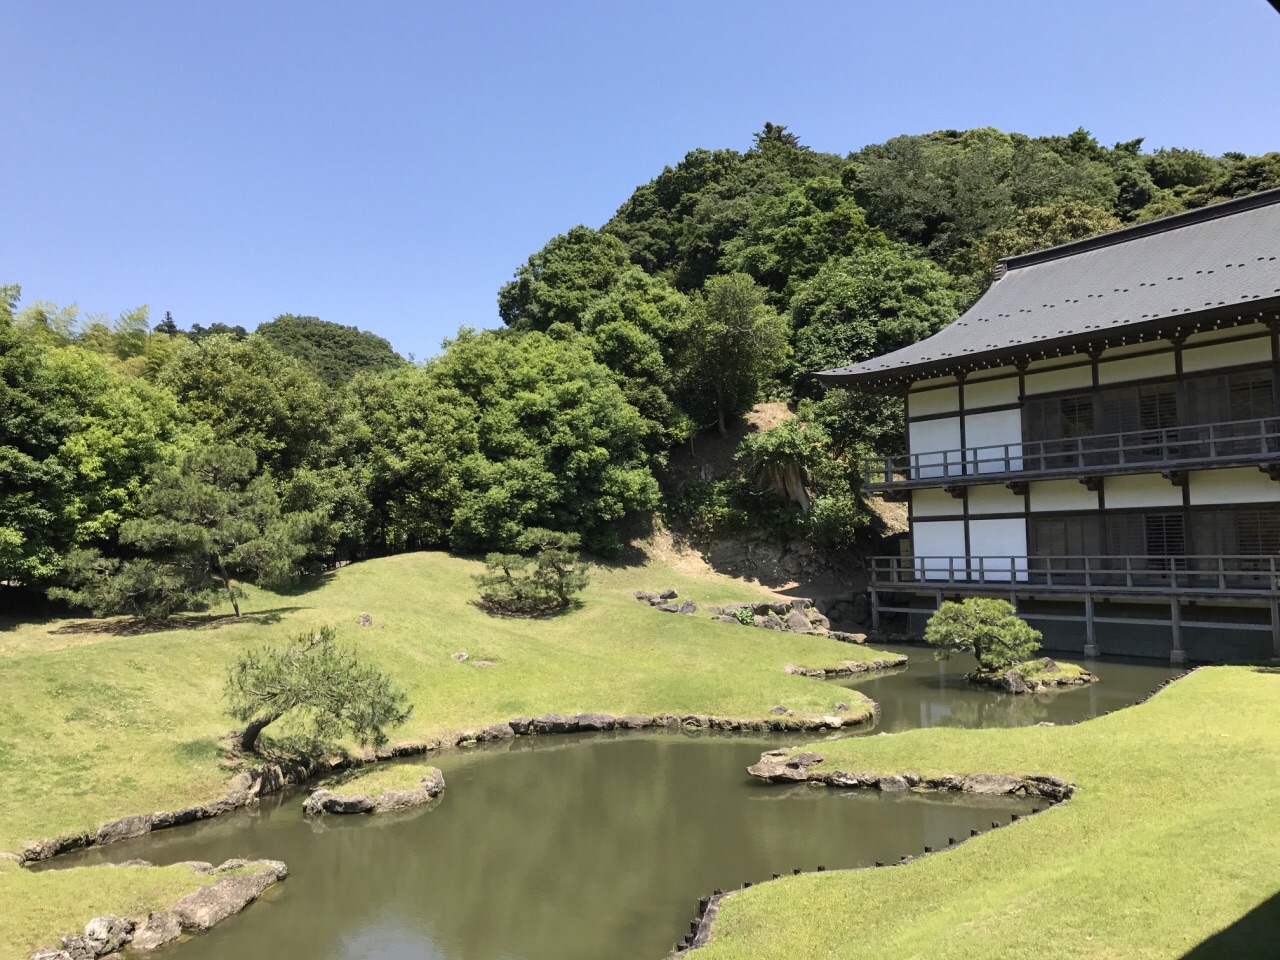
column 848, row 668
column 326, row 801
column 197, row 911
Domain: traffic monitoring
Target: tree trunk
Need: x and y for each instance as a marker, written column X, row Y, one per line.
column 724, row 431
column 249, row 737
column 231, row 594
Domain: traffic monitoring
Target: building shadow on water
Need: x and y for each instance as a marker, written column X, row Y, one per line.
column 1255, row 936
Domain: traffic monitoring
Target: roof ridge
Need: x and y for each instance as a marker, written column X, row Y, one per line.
column 1215, row 211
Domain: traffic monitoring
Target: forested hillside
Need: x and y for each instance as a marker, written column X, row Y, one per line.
column 143, row 467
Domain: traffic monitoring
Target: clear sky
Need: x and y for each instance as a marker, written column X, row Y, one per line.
column 389, row 164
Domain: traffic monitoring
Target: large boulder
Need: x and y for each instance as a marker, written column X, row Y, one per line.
column 795, row 622
column 596, row 721
column 159, row 928
column 225, row 897
column 126, row 828
column 326, row 801
column 992, row 784
column 554, row 723
column 430, row 787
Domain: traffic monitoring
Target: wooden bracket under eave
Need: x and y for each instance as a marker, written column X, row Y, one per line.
column 1272, row 470
column 1177, row 477
column 955, row 490
column 1018, row 487
column 1092, row 483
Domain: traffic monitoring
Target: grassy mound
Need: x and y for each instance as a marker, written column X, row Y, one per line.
column 371, row 780
column 1173, row 834
column 99, row 720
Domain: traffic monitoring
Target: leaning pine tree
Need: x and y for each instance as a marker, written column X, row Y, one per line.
column 321, row 685
column 545, row 581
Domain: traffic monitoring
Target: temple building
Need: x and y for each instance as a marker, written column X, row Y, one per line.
column 1098, row 440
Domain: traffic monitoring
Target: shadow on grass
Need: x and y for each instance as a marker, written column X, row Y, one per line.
column 304, row 585
column 491, row 610
column 130, row 627
column 1255, row 936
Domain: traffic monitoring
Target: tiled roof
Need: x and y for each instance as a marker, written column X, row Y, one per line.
column 1209, row 259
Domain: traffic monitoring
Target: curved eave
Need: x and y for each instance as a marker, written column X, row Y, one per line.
column 898, row 380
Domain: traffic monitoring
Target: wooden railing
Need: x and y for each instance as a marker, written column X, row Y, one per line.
column 1238, row 442
column 1255, row 575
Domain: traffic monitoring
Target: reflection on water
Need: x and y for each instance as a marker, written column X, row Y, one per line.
column 584, row 846
column 929, row 693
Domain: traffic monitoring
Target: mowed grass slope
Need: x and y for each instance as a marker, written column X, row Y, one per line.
column 1173, row 834
column 95, row 725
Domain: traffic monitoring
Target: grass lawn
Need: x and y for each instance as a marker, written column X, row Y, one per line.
column 41, row 907
column 98, row 721
column 1173, row 834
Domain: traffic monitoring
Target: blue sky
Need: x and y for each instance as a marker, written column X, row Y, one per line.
column 390, row 164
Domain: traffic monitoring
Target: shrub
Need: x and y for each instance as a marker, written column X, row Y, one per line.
column 745, row 617
column 989, row 629
column 544, row 577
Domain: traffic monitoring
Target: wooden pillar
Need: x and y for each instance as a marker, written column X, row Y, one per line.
column 938, row 597
column 1275, row 628
column 1090, row 628
column 875, row 609
column 1177, row 655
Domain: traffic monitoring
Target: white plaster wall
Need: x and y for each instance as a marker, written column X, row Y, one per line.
column 1047, row 381
column 1240, row 485
column 996, row 544
column 994, row 431
column 934, row 503
column 928, row 402
column 1254, row 350
column 1061, row 495
column 993, row 498
column 1208, row 336
column 934, row 439
column 1136, row 368
column 1147, row 490
column 934, row 542
column 991, row 393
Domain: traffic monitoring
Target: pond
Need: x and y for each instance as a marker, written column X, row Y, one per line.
column 589, row 846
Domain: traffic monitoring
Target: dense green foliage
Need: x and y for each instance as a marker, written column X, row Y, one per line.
column 989, row 629
column 727, row 279
column 546, row 581
column 322, row 686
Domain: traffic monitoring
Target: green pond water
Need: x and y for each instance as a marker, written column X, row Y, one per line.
column 590, row 846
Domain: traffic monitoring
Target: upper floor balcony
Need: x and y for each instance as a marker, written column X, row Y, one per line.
column 1168, row 450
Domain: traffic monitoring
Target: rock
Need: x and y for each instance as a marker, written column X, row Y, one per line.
column 795, row 671
column 224, row 898
column 892, row 783
column 688, row 608
column 779, row 710
column 724, row 619
column 554, row 723
column 364, row 620
column 1046, row 723
column 50, row 955
column 1014, row 682
column 325, row 801
column 523, row 726
column 860, row 609
column 107, row 934
column 496, row 731
column 159, row 928
column 817, row 620
column 795, row 622
column 460, row 656
column 164, row 819
column 770, row 621
column 766, row 607
column 848, row 637
column 646, row 596
column 668, row 594
column 668, row 607
column 596, row 721
column 804, row 760
column 696, row 720
column 1051, row 788
column 633, row 721
column 838, row 778
column 842, row 707
column 992, row 784
column 126, row 828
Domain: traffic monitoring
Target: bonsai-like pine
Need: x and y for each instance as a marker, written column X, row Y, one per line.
column 319, row 682
column 989, row 629
column 544, row 577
